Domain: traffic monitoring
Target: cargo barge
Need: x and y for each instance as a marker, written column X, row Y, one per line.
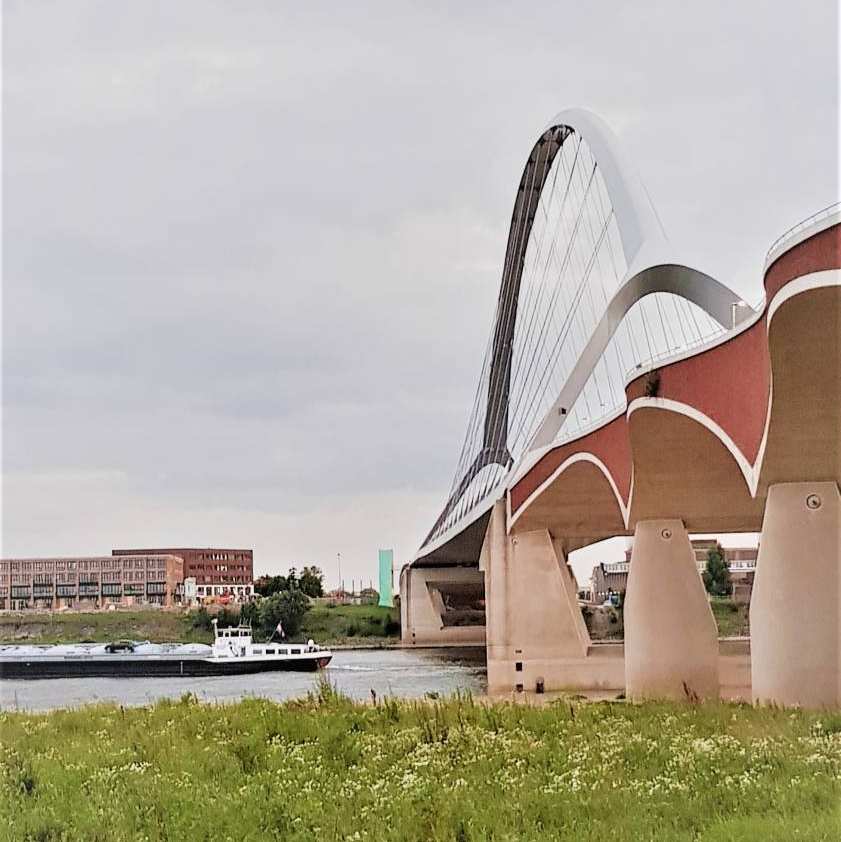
column 233, row 652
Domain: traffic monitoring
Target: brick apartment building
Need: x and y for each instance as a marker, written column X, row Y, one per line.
column 90, row 581
column 613, row 578
column 218, row 572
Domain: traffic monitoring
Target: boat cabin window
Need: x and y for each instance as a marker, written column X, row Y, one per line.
column 270, row 651
column 258, row 651
column 296, row 651
column 233, row 632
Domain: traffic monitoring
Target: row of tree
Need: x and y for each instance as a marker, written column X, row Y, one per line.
column 310, row 581
column 285, row 607
column 285, row 600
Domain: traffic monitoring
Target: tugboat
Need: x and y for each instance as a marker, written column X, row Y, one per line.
column 233, row 652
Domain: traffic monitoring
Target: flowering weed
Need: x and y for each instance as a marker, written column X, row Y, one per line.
column 452, row 769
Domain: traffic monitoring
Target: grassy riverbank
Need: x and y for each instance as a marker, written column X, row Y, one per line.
column 352, row 624
column 344, row 624
column 99, row 627
column 732, row 618
column 455, row 770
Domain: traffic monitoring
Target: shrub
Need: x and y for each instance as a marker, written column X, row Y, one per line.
column 226, row 617
column 202, row 620
column 717, row 574
column 286, row 607
column 311, row 581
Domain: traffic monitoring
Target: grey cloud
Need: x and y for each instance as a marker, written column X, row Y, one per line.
column 252, row 251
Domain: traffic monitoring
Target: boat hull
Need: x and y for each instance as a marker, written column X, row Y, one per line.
column 127, row 667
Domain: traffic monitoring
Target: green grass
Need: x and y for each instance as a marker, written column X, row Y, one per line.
column 731, row 617
column 363, row 624
column 100, row 626
column 325, row 768
column 344, row 624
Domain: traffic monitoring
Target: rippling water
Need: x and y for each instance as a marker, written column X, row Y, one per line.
column 392, row 672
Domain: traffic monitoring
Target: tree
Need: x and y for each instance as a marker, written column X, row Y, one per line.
column 285, row 607
column 270, row 585
column 311, row 581
column 717, row 574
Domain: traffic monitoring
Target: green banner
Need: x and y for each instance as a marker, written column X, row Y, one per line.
column 386, row 575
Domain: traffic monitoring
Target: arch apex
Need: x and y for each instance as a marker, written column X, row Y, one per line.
column 636, row 216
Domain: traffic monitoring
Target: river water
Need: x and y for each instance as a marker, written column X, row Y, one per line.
column 389, row 672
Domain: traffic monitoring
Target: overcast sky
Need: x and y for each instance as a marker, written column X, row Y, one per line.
column 252, row 249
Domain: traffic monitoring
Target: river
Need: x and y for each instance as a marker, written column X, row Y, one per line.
column 389, row 672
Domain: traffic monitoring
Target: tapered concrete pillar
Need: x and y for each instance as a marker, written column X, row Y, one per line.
column 671, row 639
column 535, row 631
column 794, row 612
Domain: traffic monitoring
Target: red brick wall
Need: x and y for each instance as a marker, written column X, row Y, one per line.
column 210, row 565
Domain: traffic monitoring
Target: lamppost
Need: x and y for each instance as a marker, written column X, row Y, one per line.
column 733, row 307
column 339, row 562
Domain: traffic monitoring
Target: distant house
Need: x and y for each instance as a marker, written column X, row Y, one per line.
column 608, row 579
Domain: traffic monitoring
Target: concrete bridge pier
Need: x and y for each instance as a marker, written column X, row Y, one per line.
column 794, row 611
column 427, row 615
column 671, row 639
column 536, row 633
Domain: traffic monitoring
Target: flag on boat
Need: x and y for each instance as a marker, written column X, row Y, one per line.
column 279, row 630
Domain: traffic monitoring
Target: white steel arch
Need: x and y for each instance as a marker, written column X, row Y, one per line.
column 651, row 267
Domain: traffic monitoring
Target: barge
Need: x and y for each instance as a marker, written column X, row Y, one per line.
column 233, row 652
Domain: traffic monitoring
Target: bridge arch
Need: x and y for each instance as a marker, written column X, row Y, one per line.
column 648, row 266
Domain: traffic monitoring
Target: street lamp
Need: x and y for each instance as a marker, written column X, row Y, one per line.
column 339, row 562
column 733, row 308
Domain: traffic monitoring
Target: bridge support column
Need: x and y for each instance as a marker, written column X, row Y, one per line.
column 794, row 612
column 671, row 639
column 535, row 631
